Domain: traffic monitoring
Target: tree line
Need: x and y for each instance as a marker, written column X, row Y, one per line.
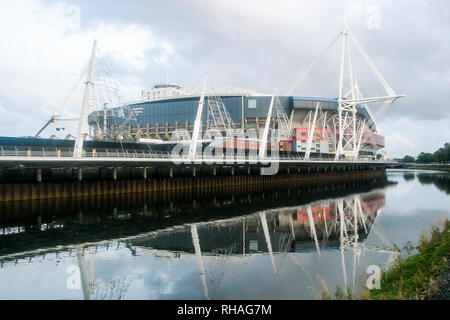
column 442, row 155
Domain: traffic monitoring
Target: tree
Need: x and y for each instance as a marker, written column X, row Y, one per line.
column 408, row 159
column 442, row 155
column 425, row 158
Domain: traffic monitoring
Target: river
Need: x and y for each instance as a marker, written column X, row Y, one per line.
column 277, row 244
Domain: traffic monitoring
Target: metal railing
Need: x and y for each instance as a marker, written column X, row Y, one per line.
column 152, row 154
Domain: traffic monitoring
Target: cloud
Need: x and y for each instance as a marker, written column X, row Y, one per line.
column 266, row 44
column 254, row 44
column 45, row 51
column 401, row 144
column 406, row 136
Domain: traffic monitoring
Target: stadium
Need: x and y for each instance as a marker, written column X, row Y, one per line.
column 228, row 120
column 166, row 113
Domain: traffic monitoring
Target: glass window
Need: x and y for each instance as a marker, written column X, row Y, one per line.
column 253, row 245
column 252, row 104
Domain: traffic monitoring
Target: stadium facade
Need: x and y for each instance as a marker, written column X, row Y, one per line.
column 168, row 109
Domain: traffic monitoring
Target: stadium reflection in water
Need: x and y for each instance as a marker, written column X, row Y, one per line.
column 239, row 251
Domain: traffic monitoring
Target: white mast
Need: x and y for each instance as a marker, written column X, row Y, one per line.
column 78, row 149
column 312, row 227
column 311, row 134
column 263, row 146
column 198, row 121
column 268, row 241
column 341, row 80
column 345, row 131
column 198, row 257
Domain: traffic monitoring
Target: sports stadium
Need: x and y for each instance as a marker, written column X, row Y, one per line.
column 166, row 113
column 227, row 118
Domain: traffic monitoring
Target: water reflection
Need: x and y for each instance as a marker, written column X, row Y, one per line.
column 31, row 225
column 334, row 223
column 409, row 176
column 269, row 245
column 440, row 180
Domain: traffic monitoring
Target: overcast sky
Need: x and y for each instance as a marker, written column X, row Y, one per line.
column 260, row 45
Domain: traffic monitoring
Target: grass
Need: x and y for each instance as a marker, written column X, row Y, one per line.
column 415, row 278
column 418, row 167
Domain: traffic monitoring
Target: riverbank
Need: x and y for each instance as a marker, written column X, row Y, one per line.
column 445, row 168
column 422, row 276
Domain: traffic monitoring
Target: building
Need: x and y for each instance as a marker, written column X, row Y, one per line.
column 167, row 113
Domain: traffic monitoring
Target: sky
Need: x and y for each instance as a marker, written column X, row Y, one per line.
column 261, row 45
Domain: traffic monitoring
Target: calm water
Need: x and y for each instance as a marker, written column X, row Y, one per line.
column 272, row 245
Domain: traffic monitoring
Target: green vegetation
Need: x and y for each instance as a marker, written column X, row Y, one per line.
column 417, row 277
column 434, row 168
column 340, row 294
column 440, row 156
column 408, row 159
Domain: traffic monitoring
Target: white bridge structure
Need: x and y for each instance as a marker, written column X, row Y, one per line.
column 351, row 133
column 347, row 132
